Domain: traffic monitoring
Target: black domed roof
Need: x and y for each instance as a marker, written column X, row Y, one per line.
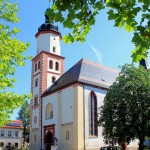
column 48, row 25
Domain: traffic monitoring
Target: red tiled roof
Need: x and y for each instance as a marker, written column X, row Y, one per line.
column 15, row 124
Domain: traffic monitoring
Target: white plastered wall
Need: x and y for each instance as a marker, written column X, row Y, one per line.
column 5, row 139
column 53, row 99
column 97, row 142
column 93, row 142
column 35, row 112
column 67, row 112
column 67, row 105
column 46, row 41
column 49, row 78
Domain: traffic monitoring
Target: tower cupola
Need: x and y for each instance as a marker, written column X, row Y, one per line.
column 48, row 25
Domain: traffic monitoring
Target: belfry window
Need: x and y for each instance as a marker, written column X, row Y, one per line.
column 50, row 64
column 93, row 129
column 57, row 66
column 49, row 111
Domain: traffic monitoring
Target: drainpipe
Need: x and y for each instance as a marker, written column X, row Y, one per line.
column 41, row 121
column 84, row 113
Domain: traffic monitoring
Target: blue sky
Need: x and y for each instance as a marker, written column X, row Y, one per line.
column 104, row 44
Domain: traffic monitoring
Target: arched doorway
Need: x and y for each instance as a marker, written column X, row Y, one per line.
column 49, row 140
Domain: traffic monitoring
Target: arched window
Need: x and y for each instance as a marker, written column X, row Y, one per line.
column 49, row 111
column 57, row 66
column 35, row 119
column 54, row 49
column 93, row 115
column 53, row 79
column 35, row 67
column 50, row 64
column 36, row 82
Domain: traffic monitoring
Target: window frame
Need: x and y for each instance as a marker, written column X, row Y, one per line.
column 39, row 65
column 36, row 82
column 67, row 135
column 92, row 108
column 16, row 145
column 53, row 79
column 35, row 100
column 1, row 144
column 35, row 67
column 54, row 49
column 2, row 133
column 9, row 133
column 35, row 119
column 49, row 111
column 16, row 133
column 57, row 66
column 50, row 64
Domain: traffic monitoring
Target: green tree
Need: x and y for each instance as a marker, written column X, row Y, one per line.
column 11, row 56
column 79, row 16
column 24, row 116
column 125, row 114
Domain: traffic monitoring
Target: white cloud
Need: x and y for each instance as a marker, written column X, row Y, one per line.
column 97, row 53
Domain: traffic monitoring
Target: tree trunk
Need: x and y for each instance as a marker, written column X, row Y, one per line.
column 141, row 144
column 24, row 131
column 124, row 146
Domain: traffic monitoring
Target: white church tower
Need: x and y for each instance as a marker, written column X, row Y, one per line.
column 47, row 67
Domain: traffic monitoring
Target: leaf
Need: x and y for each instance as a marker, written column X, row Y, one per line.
column 111, row 14
column 59, row 17
column 11, row 52
column 129, row 28
column 81, row 14
column 68, row 23
column 16, row 30
column 99, row 5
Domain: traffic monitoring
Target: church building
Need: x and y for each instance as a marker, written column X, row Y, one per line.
column 65, row 104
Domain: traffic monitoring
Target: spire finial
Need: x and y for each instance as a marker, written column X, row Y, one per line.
column 49, row 3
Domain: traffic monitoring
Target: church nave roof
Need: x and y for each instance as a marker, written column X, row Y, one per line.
column 86, row 72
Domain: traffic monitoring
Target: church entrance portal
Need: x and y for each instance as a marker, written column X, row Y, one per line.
column 49, row 137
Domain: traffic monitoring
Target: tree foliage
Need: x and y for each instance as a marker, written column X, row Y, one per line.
column 125, row 114
column 11, row 53
column 24, row 116
column 132, row 15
